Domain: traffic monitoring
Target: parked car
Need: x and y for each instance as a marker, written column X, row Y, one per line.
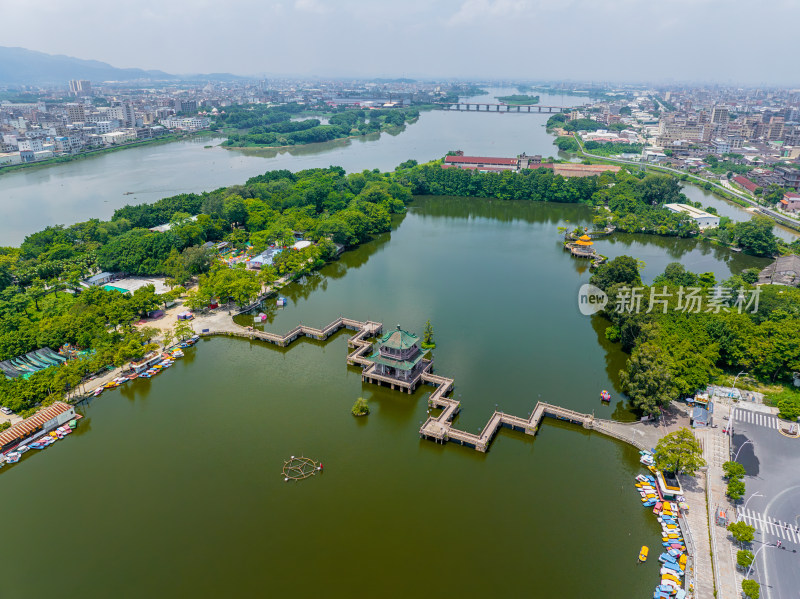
column 6, row 411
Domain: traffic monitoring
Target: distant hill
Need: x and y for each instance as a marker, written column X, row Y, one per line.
column 21, row 66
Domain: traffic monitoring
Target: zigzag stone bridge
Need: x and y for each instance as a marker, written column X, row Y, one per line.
column 440, row 428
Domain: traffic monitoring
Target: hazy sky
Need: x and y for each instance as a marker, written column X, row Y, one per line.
column 656, row 40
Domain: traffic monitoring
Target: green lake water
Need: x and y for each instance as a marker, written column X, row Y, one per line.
column 172, row 487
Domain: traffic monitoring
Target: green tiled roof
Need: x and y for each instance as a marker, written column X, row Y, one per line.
column 399, row 364
column 399, row 339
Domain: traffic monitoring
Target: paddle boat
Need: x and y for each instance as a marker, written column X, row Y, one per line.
column 12, row 457
column 98, row 391
column 643, row 553
column 22, row 448
column 605, row 395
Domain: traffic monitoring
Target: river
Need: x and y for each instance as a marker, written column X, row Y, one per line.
column 94, row 187
column 172, row 487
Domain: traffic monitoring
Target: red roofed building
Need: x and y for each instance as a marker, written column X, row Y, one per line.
column 481, row 163
column 570, row 169
column 45, row 420
column 790, row 202
column 745, row 183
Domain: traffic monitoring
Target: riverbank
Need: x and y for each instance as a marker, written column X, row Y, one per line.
column 727, row 194
column 164, row 139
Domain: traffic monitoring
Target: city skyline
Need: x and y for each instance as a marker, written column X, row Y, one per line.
column 611, row 40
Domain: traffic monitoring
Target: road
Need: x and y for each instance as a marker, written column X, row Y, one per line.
column 772, row 500
column 776, row 216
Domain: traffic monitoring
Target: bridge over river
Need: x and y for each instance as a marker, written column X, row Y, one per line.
column 501, row 107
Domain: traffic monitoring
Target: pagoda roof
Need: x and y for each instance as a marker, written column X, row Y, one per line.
column 585, row 237
column 582, row 242
column 399, row 339
column 378, row 358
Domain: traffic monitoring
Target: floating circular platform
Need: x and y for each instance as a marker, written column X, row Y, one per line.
column 299, row 468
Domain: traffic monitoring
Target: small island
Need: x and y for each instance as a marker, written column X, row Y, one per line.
column 281, row 126
column 519, row 99
column 360, row 408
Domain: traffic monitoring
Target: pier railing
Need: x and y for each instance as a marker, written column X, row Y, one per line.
column 440, row 428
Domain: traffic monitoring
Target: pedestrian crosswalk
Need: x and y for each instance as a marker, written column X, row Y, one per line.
column 757, row 418
column 785, row 531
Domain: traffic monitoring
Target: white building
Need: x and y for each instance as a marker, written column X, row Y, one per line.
column 106, row 126
column 118, row 137
column 192, row 123
column 30, row 145
column 704, row 220
column 8, row 158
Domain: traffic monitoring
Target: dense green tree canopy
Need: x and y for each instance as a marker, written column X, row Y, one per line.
column 679, row 452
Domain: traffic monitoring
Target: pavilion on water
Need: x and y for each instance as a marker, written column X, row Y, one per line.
column 399, row 356
column 583, row 246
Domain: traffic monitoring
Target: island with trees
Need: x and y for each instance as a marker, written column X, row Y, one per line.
column 518, row 99
column 278, row 126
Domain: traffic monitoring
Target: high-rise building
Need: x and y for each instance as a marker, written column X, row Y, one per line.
column 76, row 113
column 80, row 87
column 774, row 130
column 719, row 115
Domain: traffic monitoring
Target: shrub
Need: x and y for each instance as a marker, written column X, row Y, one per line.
column 360, row 408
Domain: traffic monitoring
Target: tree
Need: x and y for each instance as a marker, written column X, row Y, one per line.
column 679, row 452
column 744, row 558
column 167, row 337
column 751, row 588
column 733, row 470
column 183, row 330
column 742, row 532
column 648, row 379
column 789, row 409
column 427, row 336
column 735, row 489
column 755, row 236
column 621, row 270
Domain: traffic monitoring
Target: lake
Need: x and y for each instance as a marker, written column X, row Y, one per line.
column 172, row 486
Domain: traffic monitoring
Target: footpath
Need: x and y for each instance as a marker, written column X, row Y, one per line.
column 716, row 451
